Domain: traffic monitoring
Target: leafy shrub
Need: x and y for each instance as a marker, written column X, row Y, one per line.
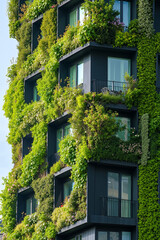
column 67, row 150
column 43, row 188
column 57, row 167
column 23, row 36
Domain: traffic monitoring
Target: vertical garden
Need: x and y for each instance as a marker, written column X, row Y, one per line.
column 94, row 125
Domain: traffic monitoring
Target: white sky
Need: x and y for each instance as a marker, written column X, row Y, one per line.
column 8, row 51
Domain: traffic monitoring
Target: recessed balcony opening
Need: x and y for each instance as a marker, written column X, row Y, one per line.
column 30, row 84
column 57, row 130
column 26, row 203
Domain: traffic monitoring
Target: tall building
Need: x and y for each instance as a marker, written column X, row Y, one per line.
column 83, row 107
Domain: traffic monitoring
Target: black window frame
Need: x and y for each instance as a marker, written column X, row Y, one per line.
column 76, row 64
column 22, row 196
column 63, row 132
column 119, row 57
column 120, row 173
column 121, row 10
column 78, row 12
column 60, row 178
column 108, row 230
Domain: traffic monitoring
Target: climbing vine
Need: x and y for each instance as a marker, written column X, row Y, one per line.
column 93, row 124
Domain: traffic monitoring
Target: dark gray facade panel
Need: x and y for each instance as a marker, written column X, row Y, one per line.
column 98, row 71
column 156, row 15
column 87, row 74
column 158, row 73
column 89, row 235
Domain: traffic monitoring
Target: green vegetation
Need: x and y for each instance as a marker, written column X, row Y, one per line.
column 94, row 126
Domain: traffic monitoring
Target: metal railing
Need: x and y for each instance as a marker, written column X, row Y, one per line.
column 115, row 207
column 115, row 86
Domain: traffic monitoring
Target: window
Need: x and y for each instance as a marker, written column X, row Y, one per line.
column 36, row 97
column 79, row 237
column 31, row 205
column 61, row 133
column 67, row 188
column 106, row 235
column 76, row 15
column 125, row 133
column 76, row 75
column 124, row 8
column 119, row 195
column 117, row 67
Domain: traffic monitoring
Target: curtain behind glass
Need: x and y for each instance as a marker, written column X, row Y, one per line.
column 117, row 67
column 126, row 196
column 73, row 76
column 73, row 18
column 113, row 193
column 102, row 236
column 28, row 206
column 67, row 130
column 126, row 235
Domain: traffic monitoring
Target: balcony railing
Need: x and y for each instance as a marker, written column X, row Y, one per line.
column 99, row 85
column 115, row 207
column 116, row 86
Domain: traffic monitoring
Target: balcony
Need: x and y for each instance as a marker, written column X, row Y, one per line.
column 101, row 85
column 114, row 207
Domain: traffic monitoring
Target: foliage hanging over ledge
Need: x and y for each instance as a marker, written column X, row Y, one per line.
column 94, row 127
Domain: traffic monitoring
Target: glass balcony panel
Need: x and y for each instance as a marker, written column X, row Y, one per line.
column 102, row 235
column 126, row 235
column 113, row 207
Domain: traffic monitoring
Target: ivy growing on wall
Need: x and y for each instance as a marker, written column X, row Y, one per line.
column 94, row 126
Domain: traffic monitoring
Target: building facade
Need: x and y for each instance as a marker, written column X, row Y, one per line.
column 83, row 108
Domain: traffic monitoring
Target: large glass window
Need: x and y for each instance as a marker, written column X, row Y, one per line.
column 113, row 193
column 67, row 188
column 76, row 75
column 124, row 8
column 76, row 15
column 31, row 205
column 117, row 67
column 107, row 235
column 73, row 18
column 125, row 133
column 119, row 194
column 61, row 133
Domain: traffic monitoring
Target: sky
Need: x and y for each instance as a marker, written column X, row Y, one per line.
column 8, row 51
